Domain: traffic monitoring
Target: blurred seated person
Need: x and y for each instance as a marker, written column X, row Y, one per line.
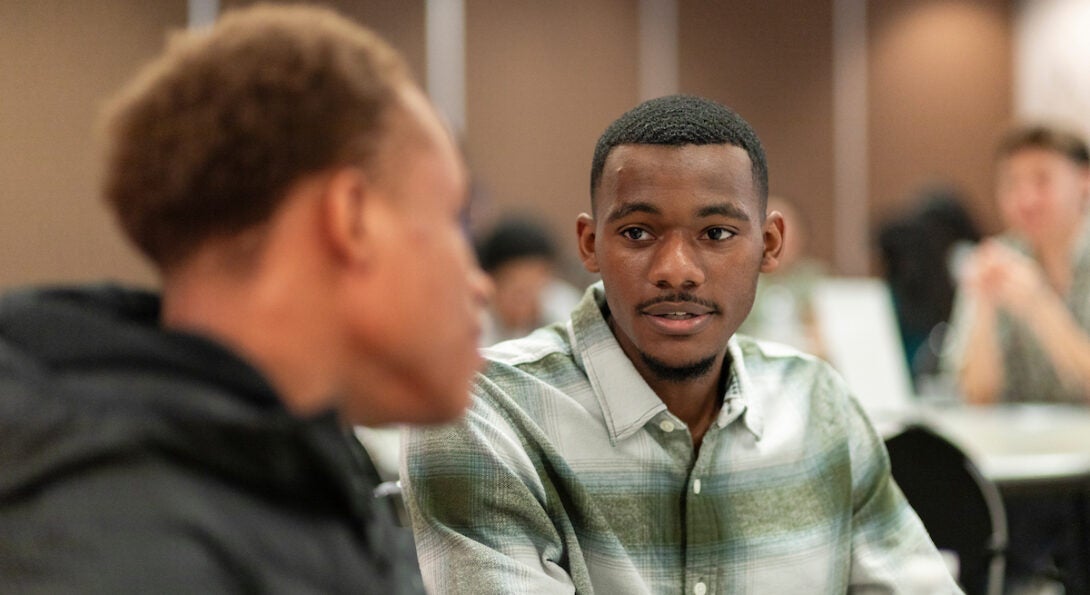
column 919, row 250
column 521, row 258
column 1020, row 332
column 782, row 310
column 1020, row 329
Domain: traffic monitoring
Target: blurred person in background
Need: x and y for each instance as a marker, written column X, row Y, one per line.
column 301, row 201
column 1021, row 329
column 782, row 309
column 521, row 258
column 920, row 251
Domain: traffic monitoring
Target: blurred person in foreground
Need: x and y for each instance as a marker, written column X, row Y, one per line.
column 1021, row 328
column 520, row 257
column 301, row 201
column 641, row 446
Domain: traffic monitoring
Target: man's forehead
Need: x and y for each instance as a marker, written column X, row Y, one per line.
column 649, row 163
column 719, row 206
column 718, row 169
column 662, row 151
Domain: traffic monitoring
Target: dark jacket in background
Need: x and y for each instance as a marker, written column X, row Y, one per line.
column 134, row 459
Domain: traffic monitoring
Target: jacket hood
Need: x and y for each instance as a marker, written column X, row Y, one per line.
column 87, row 373
column 105, row 326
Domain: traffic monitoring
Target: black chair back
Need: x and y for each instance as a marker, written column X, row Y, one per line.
column 960, row 508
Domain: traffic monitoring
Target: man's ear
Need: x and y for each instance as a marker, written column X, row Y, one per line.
column 584, row 229
column 347, row 200
column 774, row 236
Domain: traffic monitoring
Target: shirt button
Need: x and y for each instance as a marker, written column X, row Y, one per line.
column 666, row 426
column 696, row 490
column 700, row 589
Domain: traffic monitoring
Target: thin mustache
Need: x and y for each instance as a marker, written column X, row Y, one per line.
column 678, row 297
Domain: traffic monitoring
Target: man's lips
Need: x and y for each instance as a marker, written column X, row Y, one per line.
column 677, row 309
column 673, row 316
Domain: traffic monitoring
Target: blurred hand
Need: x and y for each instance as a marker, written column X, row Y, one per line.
column 999, row 276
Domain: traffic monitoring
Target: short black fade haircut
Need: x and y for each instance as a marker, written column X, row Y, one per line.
column 678, row 120
column 514, row 238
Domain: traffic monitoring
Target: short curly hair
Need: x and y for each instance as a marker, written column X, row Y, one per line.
column 678, row 120
column 208, row 139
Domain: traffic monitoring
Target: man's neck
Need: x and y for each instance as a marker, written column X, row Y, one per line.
column 248, row 314
column 695, row 402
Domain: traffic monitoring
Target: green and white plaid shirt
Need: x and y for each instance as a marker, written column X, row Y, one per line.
column 569, row 474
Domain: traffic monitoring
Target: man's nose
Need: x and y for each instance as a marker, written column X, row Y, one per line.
column 677, row 263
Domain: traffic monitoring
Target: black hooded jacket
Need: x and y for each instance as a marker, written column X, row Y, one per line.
column 134, row 459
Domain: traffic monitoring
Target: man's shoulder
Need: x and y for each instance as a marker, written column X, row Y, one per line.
column 65, row 424
column 544, row 357
column 132, row 484
column 782, row 371
column 769, row 358
column 525, row 388
column 93, row 430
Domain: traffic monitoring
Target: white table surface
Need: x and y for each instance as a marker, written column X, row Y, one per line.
column 1018, row 443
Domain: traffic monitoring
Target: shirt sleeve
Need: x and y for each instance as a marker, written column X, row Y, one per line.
column 891, row 549
column 480, row 510
column 954, row 343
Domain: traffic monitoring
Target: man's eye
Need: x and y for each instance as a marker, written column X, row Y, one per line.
column 719, row 233
column 634, row 233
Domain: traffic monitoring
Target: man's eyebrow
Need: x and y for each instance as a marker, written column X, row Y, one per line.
column 724, row 210
column 633, row 207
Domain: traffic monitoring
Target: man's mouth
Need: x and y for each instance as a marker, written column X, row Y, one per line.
column 675, row 315
column 678, row 310
column 679, row 317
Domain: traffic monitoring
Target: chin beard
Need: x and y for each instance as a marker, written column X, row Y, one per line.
column 668, row 373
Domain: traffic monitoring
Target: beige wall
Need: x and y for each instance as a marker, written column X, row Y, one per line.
column 771, row 60
column 60, row 60
column 401, row 22
column 940, row 96
column 543, row 80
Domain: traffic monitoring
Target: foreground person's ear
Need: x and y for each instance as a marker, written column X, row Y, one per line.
column 347, row 200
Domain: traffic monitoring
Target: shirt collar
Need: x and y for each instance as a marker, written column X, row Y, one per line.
column 739, row 400
column 627, row 402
